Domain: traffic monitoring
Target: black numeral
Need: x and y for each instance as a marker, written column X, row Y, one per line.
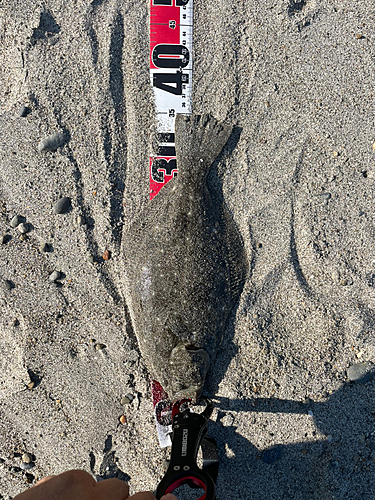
column 164, row 56
column 166, row 151
column 161, row 167
column 162, row 2
column 170, row 82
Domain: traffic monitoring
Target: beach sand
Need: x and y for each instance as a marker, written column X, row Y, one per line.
column 296, row 80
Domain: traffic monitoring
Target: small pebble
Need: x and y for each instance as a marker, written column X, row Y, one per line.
column 27, row 458
column 62, row 205
column 52, row 142
column 165, row 464
column 123, row 419
column 24, row 111
column 52, row 39
column 23, row 227
column 272, row 454
column 329, row 438
column 31, row 385
column 107, row 255
column 227, row 420
column 4, row 239
column 361, row 372
column 81, row 220
column 27, row 466
column 44, row 247
column 29, row 478
column 23, row 237
column 125, row 400
column 55, row 276
column 335, row 276
column 16, row 221
column 8, row 285
column 99, row 347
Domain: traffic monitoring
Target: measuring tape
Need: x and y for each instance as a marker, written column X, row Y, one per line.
column 171, row 74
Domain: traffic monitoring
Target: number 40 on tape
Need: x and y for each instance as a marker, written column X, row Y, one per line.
column 171, row 71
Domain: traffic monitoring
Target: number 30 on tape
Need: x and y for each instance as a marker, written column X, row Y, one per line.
column 171, row 74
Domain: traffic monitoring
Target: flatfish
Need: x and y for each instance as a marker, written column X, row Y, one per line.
column 185, row 265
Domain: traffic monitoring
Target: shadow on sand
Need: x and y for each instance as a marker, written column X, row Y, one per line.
column 340, row 465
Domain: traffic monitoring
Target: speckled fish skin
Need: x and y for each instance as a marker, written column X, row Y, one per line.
column 185, row 265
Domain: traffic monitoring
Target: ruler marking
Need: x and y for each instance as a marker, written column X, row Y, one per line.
column 171, row 66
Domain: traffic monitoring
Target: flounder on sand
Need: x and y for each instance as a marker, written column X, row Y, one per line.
column 185, row 265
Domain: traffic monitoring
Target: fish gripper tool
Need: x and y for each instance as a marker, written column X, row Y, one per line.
column 189, row 433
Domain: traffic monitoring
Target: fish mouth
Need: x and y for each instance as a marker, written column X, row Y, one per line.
column 192, row 348
column 190, row 365
column 192, row 392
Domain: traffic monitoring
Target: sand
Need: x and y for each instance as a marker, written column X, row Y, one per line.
column 296, row 81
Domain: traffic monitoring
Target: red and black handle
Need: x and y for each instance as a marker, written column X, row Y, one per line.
column 189, row 433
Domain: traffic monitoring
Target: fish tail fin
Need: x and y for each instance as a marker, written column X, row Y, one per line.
column 199, row 141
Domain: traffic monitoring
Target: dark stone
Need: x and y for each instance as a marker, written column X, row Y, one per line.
column 17, row 220
column 8, row 284
column 47, row 27
column 25, row 466
column 272, row 454
column 52, row 142
column 361, row 372
column 62, row 205
column 24, row 111
column 5, row 239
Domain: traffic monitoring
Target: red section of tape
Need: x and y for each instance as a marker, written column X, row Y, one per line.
column 158, row 393
column 162, row 413
column 155, row 187
column 162, row 14
column 164, row 26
